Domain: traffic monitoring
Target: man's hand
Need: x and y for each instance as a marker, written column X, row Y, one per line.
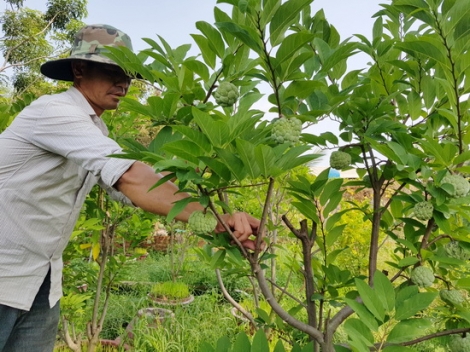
column 243, row 226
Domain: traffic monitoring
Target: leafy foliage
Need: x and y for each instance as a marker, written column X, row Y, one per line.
column 403, row 122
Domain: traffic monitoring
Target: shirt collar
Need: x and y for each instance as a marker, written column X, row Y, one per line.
column 81, row 101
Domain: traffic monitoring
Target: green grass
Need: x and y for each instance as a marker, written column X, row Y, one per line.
column 206, row 319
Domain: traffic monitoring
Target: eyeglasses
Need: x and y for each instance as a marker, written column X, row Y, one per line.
column 111, row 73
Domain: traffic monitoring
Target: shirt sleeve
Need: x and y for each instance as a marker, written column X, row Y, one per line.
column 116, row 195
column 66, row 130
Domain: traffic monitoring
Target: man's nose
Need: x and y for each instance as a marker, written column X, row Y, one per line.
column 123, row 81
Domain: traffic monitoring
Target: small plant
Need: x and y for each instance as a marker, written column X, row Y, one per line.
column 170, row 290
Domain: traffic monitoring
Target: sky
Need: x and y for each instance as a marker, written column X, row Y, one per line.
column 175, row 21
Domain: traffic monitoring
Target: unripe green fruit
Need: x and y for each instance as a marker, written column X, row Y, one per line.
column 201, row 223
column 286, row 130
column 422, row 276
column 452, row 297
column 459, row 344
column 460, row 184
column 339, row 160
column 226, row 94
column 423, row 210
column 454, row 250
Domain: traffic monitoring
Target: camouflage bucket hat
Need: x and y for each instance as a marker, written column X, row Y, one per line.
column 89, row 44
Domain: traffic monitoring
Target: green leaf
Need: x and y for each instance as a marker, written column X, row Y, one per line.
column 284, row 17
column 184, row 149
column 377, row 29
column 217, row 132
column 332, row 187
column 384, row 290
column 414, row 105
column 245, row 35
column 308, row 347
column 198, row 68
column 334, row 233
column 215, row 40
column 291, row 44
column 269, row 9
column 293, row 158
column 219, row 168
column 303, row 89
column 178, row 208
column 307, row 209
column 463, row 283
column 266, row 160
column 442, row 222
column 464, row 314
column 363, row 313
column 246, row 151
column 407, row 261
column 369, row 297
column 163, row 137
column 196, row 136
column 206, row 347
column 333, row 203
column 260, row 342
column 407, row 330
column 409, row 307
column 208, row 54
column 242, row 343
column 418, row 47
column 406, row 293
column 338, row 56
column 459, row 15
column 233, row 163
column 359, row 332
column 217, row 259
column 416, row 8
column 223, row 344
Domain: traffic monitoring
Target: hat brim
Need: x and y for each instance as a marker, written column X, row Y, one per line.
column 58, row 69
column 61, row 69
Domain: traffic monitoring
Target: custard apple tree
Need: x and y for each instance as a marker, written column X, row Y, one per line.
column 403, row 121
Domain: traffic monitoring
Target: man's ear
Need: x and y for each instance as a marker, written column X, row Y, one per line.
column 78, row 68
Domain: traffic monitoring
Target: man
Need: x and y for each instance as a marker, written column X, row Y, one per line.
column 51, row 156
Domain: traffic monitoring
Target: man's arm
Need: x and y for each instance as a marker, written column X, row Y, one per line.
column 135, row 184
column 139, row 178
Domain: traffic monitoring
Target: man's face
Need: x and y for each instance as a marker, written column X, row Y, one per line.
column 101, row 84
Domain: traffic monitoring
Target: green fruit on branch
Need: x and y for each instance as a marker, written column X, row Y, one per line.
column 226, row 94
column 423, row 210
column 202, row 223
column 460, row 185
column 459, row 344
column 339, row 160
column 422, row 276
column 454, row 250
column 286, row 130
column 452, row 297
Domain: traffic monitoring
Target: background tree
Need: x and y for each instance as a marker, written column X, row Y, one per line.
column 31, row 37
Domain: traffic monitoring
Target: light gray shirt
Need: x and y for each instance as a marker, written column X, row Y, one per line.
column 51, row 156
